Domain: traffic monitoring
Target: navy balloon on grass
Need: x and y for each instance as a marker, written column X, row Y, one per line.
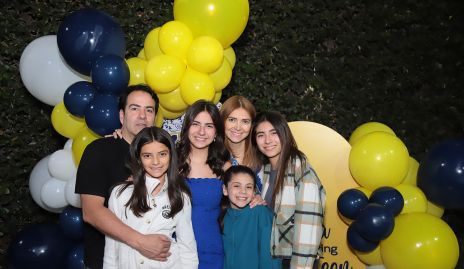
column 350, row 202
column 87, row 34
column 374, row 222
column 357, row 242
column 71, row 223
column 389, row 197
column 78, row 96
column 110, row 74
column 102, row 115
column 441, row 174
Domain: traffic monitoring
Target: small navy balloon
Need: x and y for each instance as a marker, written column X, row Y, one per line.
column 374, row 222
column 78, row 96
column 110, row 74
column 87, row 34
column 357, row 242
column 441, row 174
column 102, row 115
column 350, row 202
column 71, row 223
column 389, row 197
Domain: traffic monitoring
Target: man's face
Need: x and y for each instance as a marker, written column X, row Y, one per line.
column 138, row 114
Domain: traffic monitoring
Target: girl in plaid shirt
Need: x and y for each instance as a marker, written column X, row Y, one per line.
column 292, row 190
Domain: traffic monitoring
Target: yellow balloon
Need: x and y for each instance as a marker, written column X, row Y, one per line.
column 84, row 137
column 159, row 120
column 411, row 176
column 141, row 54
column 205, row 54
column 414, row 199
column 229, row 54
column 224, row 20
column 368, row 128
column 221, row 78
column 378, row 159
column 137, row 68
column 151, row 44
column 370, row 258
column 435, row 210
column 196, row 86
column 172, row 101
column 170, row 114
column 217, row 97
column 164, row 73
column 365, row 191
column 420, row 241
column 64, row 122
column 175, row 38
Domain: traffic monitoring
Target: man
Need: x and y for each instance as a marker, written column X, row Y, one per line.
column 101, row 167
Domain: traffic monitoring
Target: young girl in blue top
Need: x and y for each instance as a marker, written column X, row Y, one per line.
column 246, row 232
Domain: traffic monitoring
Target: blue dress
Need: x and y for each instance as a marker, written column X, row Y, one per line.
column 206, row 208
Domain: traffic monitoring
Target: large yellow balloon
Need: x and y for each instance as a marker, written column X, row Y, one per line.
column 378, row 159
column 164, row 73
column 217, row 97
column 435, row 210
column 151, row 44
column 411, row 176
column 368, row 128
column 172, row 101
column 221, row 78
column 420, row 241
column 196, row 86
column 229, row 54
column 174, row 39
column 170, row 114
column 205, row 54
column 64, row 122
column 414, row 199
column 141, row 54
column 137, row 68
column 370, row 258
column 80, row 142
column 224, row 20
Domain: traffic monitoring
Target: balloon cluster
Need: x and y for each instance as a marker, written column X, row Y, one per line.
column 49, row 245
column 389, row 179
column 190, row 58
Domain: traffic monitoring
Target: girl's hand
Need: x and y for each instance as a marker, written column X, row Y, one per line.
column 257, row 200
column 116, row 134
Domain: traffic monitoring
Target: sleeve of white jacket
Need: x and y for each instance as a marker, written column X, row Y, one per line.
column 110, row 258
column 185, row 237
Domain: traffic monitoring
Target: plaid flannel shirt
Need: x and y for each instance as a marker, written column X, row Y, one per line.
column 298, row 214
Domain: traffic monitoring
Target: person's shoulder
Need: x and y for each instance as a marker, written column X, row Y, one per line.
column 262, row 210
column 263, row 215
column 106, row 143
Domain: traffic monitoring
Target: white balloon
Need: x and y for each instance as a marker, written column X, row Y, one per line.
column 44, row 72
column 52, row 193
column 71, row 197
column 61, row 165
column 40, row 175
column 68, row 145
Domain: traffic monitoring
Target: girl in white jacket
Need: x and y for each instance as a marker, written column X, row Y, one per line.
column 154, row 200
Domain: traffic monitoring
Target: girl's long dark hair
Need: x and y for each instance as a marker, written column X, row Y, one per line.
column 226, row 178
column 217, row 153
column 289, row 152
column 176, row 186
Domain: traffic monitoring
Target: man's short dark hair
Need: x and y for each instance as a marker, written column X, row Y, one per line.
column 143, row 88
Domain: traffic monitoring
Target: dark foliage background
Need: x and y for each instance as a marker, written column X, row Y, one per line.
column 338, row 63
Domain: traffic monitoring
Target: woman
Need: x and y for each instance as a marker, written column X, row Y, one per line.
column 292, row 190
column 202, row 160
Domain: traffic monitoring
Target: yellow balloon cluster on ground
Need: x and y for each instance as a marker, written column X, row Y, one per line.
column 190, row 58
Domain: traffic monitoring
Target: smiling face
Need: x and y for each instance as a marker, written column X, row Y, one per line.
column 155, row 158
column 238, row 125
column 268, row 141
column 240, row 190
column 202, row 131
column 138, row 114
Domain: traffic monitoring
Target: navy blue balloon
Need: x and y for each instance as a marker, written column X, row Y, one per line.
column 102, row 115
column 389, row 197
column 357, row 242
column 441, row 174
column 87, row 34
column 110, row 74
column 78, row 96
column 75, row 258
column 71, row 223
column 374, row 222
column 39, row 246
column 350, row 202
